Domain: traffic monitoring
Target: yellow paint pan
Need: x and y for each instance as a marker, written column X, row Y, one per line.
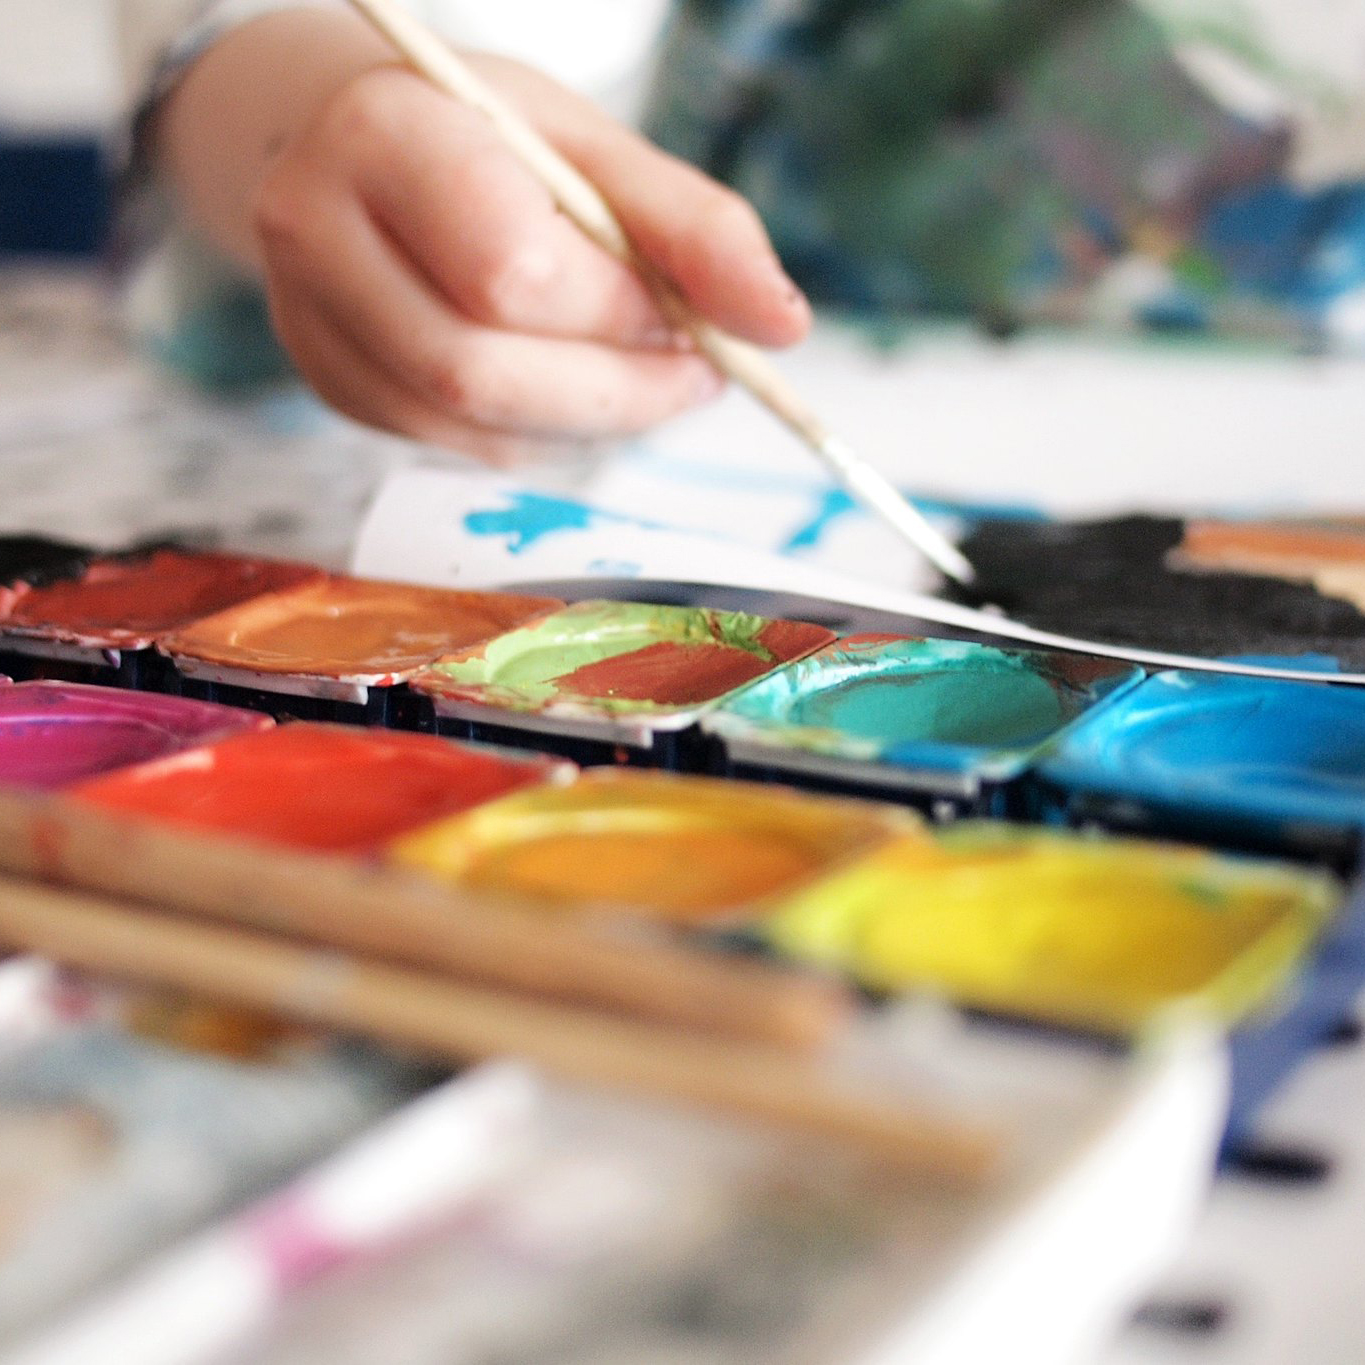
column 1062, row 928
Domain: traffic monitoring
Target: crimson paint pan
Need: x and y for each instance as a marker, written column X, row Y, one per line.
column 338, row 647
column 327, row 788
column 53, row 734
column 99, row 626
column 31, row 561
column 921, row 717
column 607, row 680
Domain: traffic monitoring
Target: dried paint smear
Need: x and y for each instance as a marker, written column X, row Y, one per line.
column 622, row 657
column 1116, row 581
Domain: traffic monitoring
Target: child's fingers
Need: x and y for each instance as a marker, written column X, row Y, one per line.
column 476, row 223
column 703, row 236
column 350, row 381
column 582, row 389
column 335, row 258
column 346, row 377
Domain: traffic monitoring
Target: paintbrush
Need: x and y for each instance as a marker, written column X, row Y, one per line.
column 458, row 1023
column 583, row 204
column 405, row 918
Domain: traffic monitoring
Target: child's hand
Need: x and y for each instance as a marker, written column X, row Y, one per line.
column 425, row 283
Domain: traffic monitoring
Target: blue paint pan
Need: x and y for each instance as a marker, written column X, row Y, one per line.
column 1270, row 763
column 948, row 718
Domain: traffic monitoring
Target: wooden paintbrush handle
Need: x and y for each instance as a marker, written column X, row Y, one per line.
column 463, row 1023
column 402, row 916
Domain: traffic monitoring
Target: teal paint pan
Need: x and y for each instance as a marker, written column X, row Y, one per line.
column 941, row 717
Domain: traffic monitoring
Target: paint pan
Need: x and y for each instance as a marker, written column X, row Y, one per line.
column 1243, row 761
column 689, row 850
column 319, row 787
column 1331, row 558
column 602, row 676
column 28, row 561
column 1089, row 932
column 336, row 648
column 53, row 734
column 1121, row 581
column 99, row 626
column 944, row 718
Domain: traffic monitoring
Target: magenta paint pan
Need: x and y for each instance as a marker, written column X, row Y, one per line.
column 54, row 733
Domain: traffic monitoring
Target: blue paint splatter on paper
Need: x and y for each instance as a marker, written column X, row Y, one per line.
column 533, row 516
column 835, row 503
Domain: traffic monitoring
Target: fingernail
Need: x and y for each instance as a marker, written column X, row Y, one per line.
column 793, row 296
column 788, row 287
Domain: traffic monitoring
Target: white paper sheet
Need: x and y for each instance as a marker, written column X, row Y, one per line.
column 472, row 530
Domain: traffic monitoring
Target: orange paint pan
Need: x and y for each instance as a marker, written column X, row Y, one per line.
column 689, row 850
column 340, row 636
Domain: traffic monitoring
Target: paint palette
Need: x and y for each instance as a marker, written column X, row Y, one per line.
column 126, row 603
column 53, row 734
column 984, row 728
column 339, row 637
column 615, row 673
column 319, row 787
column 688, row 850
column 1276, row 763
column 941, row 716
column 1096, row 933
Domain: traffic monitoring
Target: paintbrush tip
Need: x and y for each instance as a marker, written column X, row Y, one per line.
column 881, row 496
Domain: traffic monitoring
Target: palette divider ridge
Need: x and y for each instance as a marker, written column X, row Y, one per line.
column 676, row 751
column 379, row 709
column 938, row 807
column 1334, row 846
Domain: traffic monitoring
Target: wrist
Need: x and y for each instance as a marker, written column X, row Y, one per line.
column 246, row 96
